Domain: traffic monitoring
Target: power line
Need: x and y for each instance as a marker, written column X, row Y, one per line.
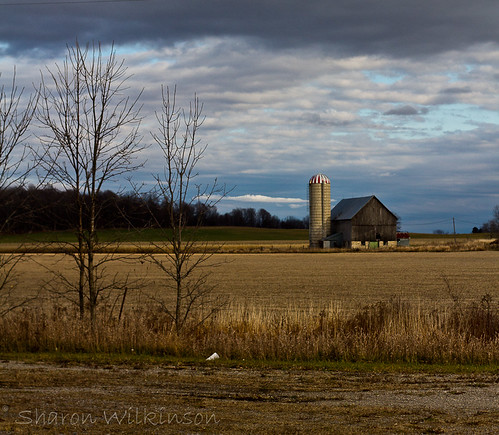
column 432, row 223
column 449, row 220
column 66, row 2
column 467, row 222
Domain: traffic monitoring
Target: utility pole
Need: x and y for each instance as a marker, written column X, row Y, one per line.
column 454, row 225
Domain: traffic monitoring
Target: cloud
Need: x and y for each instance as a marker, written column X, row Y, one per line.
column 250, row 198
column 393, row 28
column 327, row 119
column 406, row 111
column 293, row 88
column 457, row 90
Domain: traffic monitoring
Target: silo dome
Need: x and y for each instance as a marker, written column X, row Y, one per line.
column 319, row 179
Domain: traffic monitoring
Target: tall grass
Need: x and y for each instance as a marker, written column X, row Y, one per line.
column 388, row 331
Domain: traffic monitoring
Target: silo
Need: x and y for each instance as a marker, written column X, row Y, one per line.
column 320, row 209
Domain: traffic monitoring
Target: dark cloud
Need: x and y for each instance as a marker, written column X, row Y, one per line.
column 317, row 119
column 393, row 27
column 457, row 90
column 450, row 95
column 406, row 111
column 282, row 103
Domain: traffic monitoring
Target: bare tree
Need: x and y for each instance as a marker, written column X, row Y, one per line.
column 184, row 260
column 92, row 138
column 16, row 114
column 492, row 226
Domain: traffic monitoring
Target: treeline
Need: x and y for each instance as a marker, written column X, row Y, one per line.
column 31, row 209
column 491, row 226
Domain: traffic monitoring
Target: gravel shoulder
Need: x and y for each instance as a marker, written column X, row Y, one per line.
column 48, row 398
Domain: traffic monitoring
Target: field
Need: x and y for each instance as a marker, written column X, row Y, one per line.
column 216, row 234
column 345, row 342
column 300, row 280
column 233, row 239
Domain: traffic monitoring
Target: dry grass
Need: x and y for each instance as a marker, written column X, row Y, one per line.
column 388, row 306
column 418, row 244
column 387, row 331
column 294, row 307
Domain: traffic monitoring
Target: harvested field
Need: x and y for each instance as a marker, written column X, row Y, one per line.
column 230, row 397
column 307, row 280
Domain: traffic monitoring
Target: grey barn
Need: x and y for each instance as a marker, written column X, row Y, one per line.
column 362, row 223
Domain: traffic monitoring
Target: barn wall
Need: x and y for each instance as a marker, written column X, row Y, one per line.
column 365, row 233
column 343, row 227
column 374, row 222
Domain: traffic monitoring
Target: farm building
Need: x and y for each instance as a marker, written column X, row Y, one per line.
column 319, row 194
column 363, row 220
column 353, row 223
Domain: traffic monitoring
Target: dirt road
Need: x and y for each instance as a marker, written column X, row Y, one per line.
column 47, row 398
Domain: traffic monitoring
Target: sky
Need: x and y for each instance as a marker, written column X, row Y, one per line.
column 393, row 98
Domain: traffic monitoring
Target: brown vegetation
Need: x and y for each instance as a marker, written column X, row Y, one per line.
column 310, row 308
column 462, row 244
column 387, row 331
column 438, row 307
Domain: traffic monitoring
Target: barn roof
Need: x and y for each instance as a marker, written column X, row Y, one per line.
column 347, row 208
